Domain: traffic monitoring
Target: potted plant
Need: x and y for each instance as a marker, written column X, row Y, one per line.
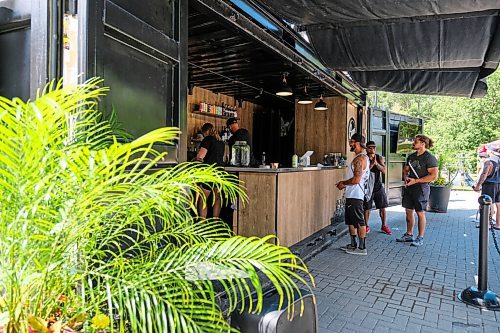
column 440, row 190
column 94, row 239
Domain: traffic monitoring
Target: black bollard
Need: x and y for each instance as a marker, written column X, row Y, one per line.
column 481, row 297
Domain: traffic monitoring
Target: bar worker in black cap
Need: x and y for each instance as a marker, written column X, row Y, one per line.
column 239, row 134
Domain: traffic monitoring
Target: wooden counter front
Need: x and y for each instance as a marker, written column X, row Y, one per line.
column 291, row 205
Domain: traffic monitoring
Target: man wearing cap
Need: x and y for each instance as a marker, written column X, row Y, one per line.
column 239, row 134
column 489, row 182
column 358, row 174
column 377, row 167
column 420, row 169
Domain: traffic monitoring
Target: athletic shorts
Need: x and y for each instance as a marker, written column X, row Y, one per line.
column 416, row 197
column 493, row 190
column 380, row 199
column 354, row 212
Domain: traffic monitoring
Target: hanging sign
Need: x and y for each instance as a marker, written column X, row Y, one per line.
column 351, row 128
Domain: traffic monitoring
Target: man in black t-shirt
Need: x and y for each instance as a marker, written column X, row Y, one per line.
column 239, row 134
column 420, row 169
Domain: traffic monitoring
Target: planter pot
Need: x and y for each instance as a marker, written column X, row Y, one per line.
column 438, row 199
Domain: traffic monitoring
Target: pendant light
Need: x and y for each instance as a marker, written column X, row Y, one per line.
column 321, row 105
column 305, row 99
column 285, row 90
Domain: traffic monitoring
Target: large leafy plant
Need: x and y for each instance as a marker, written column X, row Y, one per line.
column 441, row 180
column 89, row 229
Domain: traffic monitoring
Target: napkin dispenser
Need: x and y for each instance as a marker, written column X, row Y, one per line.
column 305, row 160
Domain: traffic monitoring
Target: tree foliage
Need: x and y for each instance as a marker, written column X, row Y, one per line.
column 457, row 125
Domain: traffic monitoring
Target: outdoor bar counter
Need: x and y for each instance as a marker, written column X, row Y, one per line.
column 292, row 203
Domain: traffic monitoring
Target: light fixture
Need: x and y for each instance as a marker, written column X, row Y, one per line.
column 305, row 98
column 321, row 105
column 285, row 90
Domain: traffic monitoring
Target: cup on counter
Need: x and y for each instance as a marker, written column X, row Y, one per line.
column 275, row 165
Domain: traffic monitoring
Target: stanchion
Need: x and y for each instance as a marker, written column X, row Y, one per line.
column 481, row 297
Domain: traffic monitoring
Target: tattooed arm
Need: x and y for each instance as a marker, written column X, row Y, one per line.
column 380, row 164
column 485, row 171
column 358, row 165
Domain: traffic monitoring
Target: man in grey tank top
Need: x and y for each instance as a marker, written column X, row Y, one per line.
column 358, row 173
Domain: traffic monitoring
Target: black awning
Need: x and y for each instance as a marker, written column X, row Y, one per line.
column 428, row 47
column 465, row 83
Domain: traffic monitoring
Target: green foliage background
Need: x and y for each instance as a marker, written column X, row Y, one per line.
column 457, row 125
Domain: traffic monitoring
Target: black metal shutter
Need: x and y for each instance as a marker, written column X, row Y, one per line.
column 140, row 49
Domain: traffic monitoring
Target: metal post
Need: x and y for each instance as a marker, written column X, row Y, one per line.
column 484, row 213
column 481, row 297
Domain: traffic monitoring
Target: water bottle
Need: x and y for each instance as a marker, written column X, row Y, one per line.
column 263, row 158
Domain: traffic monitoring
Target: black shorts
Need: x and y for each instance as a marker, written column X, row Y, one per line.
column 416, row 197
column 354, row 212
column 493, row 190
column 380, row 199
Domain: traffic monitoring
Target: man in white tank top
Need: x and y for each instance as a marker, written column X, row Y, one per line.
column 358, row 173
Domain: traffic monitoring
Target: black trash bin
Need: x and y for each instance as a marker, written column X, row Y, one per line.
column 270, row 320
column 438, row 199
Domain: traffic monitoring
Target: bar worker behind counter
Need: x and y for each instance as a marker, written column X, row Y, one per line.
column 239, row 134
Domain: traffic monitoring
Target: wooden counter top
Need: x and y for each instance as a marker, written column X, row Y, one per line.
column 280, row 170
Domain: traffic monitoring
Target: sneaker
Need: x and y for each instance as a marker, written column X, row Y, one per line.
column 418, row 242
column 347, row 247
column 385, row 229
column 357, row 251
column 367, row 229
column 405, row 238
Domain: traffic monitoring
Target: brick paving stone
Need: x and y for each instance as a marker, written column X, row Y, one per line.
column 398, row 288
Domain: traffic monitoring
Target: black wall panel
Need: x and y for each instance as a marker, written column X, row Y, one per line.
column 15, row 63
column 140, row 87
column 140, row 49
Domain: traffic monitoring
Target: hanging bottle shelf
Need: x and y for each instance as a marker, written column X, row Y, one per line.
column 216, row 111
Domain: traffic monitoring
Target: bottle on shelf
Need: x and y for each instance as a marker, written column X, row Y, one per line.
column 263, row 158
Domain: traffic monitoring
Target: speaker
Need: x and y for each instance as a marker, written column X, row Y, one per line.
column 272, row 320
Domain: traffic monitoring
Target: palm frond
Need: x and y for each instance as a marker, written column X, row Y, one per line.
column 86, row 216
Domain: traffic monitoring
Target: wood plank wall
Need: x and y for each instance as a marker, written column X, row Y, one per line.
column 321, row 131
column 196, row 120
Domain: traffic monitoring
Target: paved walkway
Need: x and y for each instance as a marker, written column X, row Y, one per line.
column 398, row 288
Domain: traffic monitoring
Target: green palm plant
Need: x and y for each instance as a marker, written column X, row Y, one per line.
column 89, row 227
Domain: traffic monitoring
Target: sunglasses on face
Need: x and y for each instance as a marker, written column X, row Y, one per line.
column 371, row 147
